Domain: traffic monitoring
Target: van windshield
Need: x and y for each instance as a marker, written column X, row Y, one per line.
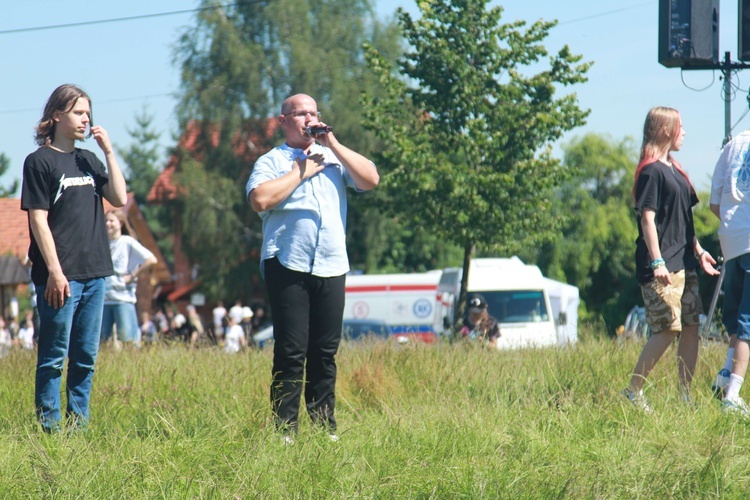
column 517, row 306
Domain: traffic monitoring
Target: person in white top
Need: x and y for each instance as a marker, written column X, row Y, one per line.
column 730, row 202
column 219, row 312
column 236, row 312
column 235, row 338
column 6, row 340
column 129, row 259
column 26, row 332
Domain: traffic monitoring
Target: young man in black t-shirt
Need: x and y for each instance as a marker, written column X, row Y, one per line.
column 62, row 193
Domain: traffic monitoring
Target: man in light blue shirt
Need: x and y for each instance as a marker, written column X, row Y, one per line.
column 298, row 189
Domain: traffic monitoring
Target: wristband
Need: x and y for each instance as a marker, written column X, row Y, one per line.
column 701, row 254
column 657, row 263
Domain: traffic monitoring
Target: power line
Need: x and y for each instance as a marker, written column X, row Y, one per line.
column 120, row 19
column 198, row 9
column 607, row 13
column 110, row 101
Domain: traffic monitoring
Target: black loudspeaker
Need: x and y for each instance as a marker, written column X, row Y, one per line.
column 743, row 30
column 689, row 33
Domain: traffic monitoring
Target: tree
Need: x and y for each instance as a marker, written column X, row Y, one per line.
column 595, row 247
column 142, row 167
column 4, row 166
column 238, row 64
column 467, row 133
column 142, row 156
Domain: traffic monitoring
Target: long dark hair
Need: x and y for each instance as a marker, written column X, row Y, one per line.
column 62, row 100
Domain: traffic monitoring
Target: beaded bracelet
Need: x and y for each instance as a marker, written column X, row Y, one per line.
column 657, row 263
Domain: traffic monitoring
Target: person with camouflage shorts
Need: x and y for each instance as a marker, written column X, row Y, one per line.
column 667, row 253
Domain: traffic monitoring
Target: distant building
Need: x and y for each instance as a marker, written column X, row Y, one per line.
column 165, row 190
column 14, row 244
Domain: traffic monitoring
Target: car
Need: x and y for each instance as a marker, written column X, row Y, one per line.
column 264, row 336
column 352, row 329
column 359, row 329
column 636, row 326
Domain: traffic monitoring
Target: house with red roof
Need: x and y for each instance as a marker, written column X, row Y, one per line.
column 14, row 228
column 14, row 245
column 248, row 145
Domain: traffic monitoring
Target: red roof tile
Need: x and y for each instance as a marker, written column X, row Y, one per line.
column 245, row 147
column 14, row 228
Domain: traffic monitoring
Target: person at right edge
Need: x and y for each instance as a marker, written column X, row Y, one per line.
column 730, row 187
column 667, row 253
column 298, row 189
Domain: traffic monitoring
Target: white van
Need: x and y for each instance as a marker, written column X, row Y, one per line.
column 518, row 296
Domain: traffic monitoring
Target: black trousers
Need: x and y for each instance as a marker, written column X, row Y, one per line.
column 307, row 316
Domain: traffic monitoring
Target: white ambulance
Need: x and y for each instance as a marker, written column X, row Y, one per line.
column 406, row 302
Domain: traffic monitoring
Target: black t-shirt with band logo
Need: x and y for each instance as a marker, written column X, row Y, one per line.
column 69, row 186
column 666, row 191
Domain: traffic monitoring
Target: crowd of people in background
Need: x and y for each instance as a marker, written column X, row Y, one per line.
column 169, row 323
column 17, row 333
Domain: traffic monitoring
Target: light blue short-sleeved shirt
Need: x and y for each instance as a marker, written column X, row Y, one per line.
column 306, row 231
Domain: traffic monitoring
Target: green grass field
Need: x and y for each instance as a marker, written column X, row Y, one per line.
column 426, row 421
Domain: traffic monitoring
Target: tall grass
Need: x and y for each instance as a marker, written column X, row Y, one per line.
column 421, row 421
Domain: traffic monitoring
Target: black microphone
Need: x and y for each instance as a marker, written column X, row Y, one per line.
column 318, row 130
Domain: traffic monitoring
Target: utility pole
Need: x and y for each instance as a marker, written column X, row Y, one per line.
column 727, row 68
column 727, row 73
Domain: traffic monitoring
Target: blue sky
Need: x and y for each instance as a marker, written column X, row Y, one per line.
column 126, row 65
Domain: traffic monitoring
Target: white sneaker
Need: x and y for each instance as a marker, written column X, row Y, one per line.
column 287, row 440
column 720, row 383
column 333, row 437
column 738, row 406
column 638, row 400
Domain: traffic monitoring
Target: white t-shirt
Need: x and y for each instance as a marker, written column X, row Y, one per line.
column 26, row 336
column 730, row 189
column 219, row 313
column 232, row 340
column 127, row 255
column 5, row 339
column 236, row 313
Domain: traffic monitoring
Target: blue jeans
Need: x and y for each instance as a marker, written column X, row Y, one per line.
column 124, row 316
column 736, row 309
column 73, row 332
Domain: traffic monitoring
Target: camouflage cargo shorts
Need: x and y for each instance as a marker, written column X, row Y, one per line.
column 669, row 307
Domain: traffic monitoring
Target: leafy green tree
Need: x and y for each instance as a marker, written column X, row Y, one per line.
column 142, row 158
column 595, row 246
column 143, row 161
column 4, row 166
column 395, row 245
column 467, row 126
column 239, row 62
